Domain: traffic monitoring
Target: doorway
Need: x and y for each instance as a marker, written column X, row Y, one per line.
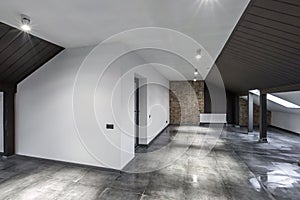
column 136, row 112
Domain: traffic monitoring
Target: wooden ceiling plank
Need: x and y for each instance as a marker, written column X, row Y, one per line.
column 291, row 2
column 275, row 16
column 265, row 53
column 269, row 31
column 30, row 54
column 261, row 66
column 39, row 64
column 278, row 6
column 34, row 58
column 268, row 44
column 259, row 46
column 14, row 56
column 271, row 37
column 279, row 43
column 12, row 48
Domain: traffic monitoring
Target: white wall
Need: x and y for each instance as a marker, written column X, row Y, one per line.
column 287, row 121
column 1, row 122
column 53, row 115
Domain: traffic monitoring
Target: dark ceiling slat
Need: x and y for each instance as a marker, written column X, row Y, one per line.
column 271, row 61
column 17, row 54
column 244, row 74
column 269, row 37
column 291, row 2
column 30, row 54
column 248, row 67
column 8, row 38
column 263, row 65
column 10, row 50
column 278, row 7
column 260, row 65
column 275, row 16
column 21, row 53
column 34, row 59
column 37, row 65
column 4, row 30
column 258, row 20
column 265, row 53
column 268, row 31
column 260, row 46
column 267, row 44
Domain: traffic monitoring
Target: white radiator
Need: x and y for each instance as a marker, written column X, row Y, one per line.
column 213, row 118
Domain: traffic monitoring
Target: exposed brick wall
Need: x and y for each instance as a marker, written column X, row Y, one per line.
column 186, row 102
column 244, row 114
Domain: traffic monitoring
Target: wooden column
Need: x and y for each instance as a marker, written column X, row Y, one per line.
column 263, row 118
column 9, row 123
column 9, row 91
column 237, row 110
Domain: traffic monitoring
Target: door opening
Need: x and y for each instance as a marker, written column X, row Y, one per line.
column 136, row 112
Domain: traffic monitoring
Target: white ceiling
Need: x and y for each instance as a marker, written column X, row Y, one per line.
column 76, row 23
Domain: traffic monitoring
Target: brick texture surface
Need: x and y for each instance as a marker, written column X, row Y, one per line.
column 244, row 114
column 186, row 102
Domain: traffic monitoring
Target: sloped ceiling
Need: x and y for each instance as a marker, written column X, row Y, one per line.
column 78, row 23
column 21, row 54
column 264, row 49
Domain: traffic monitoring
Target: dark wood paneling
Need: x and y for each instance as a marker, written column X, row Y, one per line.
column 264, row 48
column 9, row 122
column 21, row 54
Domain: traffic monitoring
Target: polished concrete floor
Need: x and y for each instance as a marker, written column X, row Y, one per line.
column 237, row 167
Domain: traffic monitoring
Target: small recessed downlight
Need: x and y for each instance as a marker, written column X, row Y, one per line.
column 25, row 23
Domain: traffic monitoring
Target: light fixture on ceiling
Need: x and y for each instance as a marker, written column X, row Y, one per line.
column 198, row 54
column 277, row 100
column 195, row 79
column 25, row 23
column 196, row 72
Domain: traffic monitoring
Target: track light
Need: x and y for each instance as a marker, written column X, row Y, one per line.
column 196, row 72
column 198, row 54
column 25, row 21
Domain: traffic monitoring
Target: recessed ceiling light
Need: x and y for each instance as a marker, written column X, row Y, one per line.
column 25, row 21
column 198, row 54
column 277, row 100
column 196, row 72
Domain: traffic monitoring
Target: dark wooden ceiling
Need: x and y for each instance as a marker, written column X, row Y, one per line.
column 21, row 54
column 264, row 49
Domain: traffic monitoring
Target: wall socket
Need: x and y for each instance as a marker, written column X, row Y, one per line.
column 109, row 126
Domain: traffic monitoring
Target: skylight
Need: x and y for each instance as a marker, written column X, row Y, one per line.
column 277, row 100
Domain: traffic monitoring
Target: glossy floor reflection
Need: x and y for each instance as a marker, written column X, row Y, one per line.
column 236, row 168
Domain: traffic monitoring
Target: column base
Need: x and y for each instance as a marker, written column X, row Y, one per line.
column 263, row 140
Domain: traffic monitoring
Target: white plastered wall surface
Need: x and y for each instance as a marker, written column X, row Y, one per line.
column 45, row 122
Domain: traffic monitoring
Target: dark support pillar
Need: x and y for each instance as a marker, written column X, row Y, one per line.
column 237, row 110
column 250, row 112
column 9, row 122
column 263, row 118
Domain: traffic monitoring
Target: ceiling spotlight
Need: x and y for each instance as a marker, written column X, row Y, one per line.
column 195, row 79
column 196, row 72
column 198, row 54
column 25, row 21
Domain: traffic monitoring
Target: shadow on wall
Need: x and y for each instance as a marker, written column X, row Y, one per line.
column 244, row 114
